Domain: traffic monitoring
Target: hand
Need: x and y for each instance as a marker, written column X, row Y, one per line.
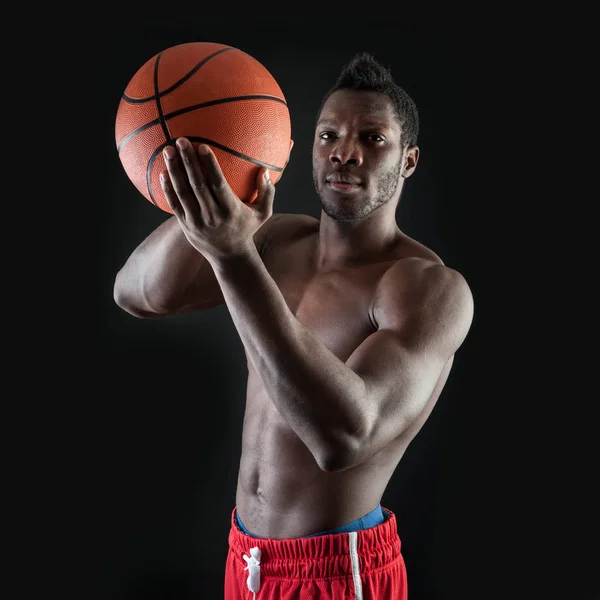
column 214, row 220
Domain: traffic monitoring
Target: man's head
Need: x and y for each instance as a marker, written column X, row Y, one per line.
column 366, row 134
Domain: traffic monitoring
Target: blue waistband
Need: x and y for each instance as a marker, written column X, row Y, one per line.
column 375, row 517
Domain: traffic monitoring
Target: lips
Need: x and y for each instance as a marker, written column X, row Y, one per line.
column 342, row 178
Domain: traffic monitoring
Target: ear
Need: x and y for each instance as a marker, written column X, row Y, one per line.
column 410, row 161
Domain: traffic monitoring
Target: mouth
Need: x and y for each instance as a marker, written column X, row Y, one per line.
column 343, row 187
column 343, row 182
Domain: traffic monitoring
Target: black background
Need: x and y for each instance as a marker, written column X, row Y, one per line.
column 168, row 429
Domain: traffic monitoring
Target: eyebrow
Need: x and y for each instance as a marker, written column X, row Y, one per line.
column 379, row 124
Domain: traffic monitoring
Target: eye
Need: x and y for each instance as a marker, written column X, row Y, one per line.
column 375, row 137
column 326, row 135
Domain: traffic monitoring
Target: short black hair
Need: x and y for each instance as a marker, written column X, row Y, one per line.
column 363, row 72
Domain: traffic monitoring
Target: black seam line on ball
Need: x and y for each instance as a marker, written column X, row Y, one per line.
column 177, row 84
column 202, row 140
column 195, row 107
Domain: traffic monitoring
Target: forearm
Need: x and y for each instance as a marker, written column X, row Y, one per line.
column 160, row 270
column 314, row 391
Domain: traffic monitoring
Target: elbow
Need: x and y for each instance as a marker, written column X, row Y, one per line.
column 345, row 451
column 334, row 464
column 127, row 302
column 120, row 295
column 121, row 298
column 345, row 457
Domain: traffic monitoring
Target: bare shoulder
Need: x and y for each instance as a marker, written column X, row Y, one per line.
column 285, row 225
column 423, row 298
column 279, row 220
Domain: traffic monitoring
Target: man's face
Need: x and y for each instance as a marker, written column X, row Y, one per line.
column 357, row 154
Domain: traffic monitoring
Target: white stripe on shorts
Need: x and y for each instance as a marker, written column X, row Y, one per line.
column 355, row 565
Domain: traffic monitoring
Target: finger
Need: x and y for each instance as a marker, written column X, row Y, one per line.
column 288, row 157
column 266, row 194
column 180, row 184
column 223, row 196
column 170, row 195
column 196, row 178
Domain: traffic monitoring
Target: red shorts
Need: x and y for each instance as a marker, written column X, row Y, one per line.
column 360, row 565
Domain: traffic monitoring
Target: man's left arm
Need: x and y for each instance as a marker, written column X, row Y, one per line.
column 343, row 412
column 346, row 412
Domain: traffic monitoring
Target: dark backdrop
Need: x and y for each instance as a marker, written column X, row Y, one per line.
column 169, row 427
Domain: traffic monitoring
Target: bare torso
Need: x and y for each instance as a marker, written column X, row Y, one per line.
column 281, row 491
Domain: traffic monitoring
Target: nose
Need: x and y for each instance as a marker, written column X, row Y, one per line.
column 345, row 152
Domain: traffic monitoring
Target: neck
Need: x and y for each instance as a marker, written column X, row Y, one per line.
column 342, row 245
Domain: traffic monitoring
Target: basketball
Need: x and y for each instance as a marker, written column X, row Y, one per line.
column 211, row 94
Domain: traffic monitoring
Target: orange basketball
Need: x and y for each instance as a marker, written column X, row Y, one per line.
column 210, row 93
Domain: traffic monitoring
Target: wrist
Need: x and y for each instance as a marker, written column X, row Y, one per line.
column 243, row 258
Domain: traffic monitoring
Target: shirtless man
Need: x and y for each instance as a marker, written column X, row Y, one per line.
column 349, row 327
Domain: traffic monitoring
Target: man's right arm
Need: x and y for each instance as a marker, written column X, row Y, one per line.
column 165, row 275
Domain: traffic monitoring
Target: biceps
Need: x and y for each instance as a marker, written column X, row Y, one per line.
column 399, row 380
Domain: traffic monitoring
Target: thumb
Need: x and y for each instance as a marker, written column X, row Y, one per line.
column 266, row 194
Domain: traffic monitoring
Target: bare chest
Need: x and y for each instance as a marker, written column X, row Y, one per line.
column 335, row 306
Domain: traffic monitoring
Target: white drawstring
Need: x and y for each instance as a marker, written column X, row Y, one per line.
column 253, row 567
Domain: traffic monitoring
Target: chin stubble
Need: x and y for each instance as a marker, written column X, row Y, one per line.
column 345, row 213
